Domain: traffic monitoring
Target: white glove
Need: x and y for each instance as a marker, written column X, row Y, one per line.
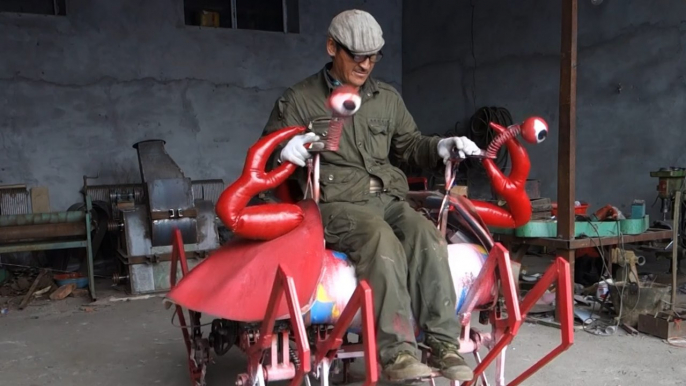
column 295, row 151
column 464, row 147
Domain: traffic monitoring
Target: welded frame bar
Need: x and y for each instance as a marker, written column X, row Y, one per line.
column 559, row 272
column 179, row 256
column 283, row 285
column 363, row 300
column 506, row 329
column 498, row 258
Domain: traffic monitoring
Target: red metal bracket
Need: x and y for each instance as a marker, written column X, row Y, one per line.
column 283, row 284
column 559, row 272
column 361, row 300
column 498, row 258
column 179, row 256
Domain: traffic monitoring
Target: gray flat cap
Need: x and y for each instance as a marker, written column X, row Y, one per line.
column 358, row 31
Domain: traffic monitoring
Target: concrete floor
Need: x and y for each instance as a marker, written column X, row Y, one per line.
column 68, row 343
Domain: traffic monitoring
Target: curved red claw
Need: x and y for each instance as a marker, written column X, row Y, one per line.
column 260, row 222
column 510, row 188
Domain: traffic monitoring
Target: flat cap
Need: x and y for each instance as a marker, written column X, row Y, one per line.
column 358, row 31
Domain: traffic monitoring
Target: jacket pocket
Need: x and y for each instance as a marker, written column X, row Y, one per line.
column 342, row 184
column 379, row 137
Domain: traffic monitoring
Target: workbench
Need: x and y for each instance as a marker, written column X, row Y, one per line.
column 515, row 243
column 50, row 231
column 519, row 246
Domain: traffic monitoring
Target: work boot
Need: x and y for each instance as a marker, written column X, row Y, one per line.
column 445, row 357
column 406, row 367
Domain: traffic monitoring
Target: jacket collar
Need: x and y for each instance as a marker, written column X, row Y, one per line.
column 367, row 88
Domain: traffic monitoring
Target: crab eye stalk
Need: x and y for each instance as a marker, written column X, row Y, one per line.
column 534, row 130
column 345, row 101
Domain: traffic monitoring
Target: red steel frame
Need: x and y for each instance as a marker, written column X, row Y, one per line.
column 497, row 261
column 283, row 284
column 325, row 350
column 558, row 273
column 506, row 329
column 179, row 255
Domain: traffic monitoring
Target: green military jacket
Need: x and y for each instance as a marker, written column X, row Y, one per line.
column 382, row 127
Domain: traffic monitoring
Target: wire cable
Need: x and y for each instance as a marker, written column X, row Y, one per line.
column 482, row 134
column 595, row 322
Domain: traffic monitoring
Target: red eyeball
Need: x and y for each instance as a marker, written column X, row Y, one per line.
column 345, row 101
column 534, row 130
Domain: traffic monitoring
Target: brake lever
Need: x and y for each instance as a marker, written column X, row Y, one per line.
column 316, row 146
column 455, row 155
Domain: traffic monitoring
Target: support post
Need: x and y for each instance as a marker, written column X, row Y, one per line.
column 566, row 148
column 89, row 247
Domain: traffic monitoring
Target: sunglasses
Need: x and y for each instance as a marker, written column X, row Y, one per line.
column 361, row 58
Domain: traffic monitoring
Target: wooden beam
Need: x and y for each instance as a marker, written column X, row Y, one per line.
column 566, row 145
column 567, row 136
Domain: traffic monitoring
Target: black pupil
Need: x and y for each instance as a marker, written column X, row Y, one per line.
column 349, row 105
column 542, row 134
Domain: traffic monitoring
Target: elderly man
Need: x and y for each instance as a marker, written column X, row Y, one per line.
column 362, row 202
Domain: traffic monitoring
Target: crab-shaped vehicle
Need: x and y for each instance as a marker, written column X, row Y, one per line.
column 290, row 304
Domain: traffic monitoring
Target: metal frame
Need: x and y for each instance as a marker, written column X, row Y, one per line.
column 588, row 242
column 68, row 244
column 566, row 243
column 256, row 344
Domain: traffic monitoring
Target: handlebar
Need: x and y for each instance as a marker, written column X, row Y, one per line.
column 455, row 156
column 320, row 146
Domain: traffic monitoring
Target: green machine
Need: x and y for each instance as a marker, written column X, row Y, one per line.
column 670, row 180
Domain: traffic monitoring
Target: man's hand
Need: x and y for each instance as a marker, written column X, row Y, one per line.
column 463, row 145
column 295, row 151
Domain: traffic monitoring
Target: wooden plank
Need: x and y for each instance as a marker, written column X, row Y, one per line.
column 27, row 298
column 40, row 199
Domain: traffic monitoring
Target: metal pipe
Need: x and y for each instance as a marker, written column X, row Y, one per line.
column 42, row 218
column 284, row 8
column 41, row 231
column 675, row 248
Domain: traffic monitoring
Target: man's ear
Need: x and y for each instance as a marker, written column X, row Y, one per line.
column 331, row 47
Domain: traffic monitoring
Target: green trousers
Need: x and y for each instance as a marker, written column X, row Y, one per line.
column 405, row 260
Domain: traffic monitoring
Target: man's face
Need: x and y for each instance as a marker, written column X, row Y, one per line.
column 347, row 68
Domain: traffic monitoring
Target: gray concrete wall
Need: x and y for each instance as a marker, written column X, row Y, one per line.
column 631, row 88
column 76, row 92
